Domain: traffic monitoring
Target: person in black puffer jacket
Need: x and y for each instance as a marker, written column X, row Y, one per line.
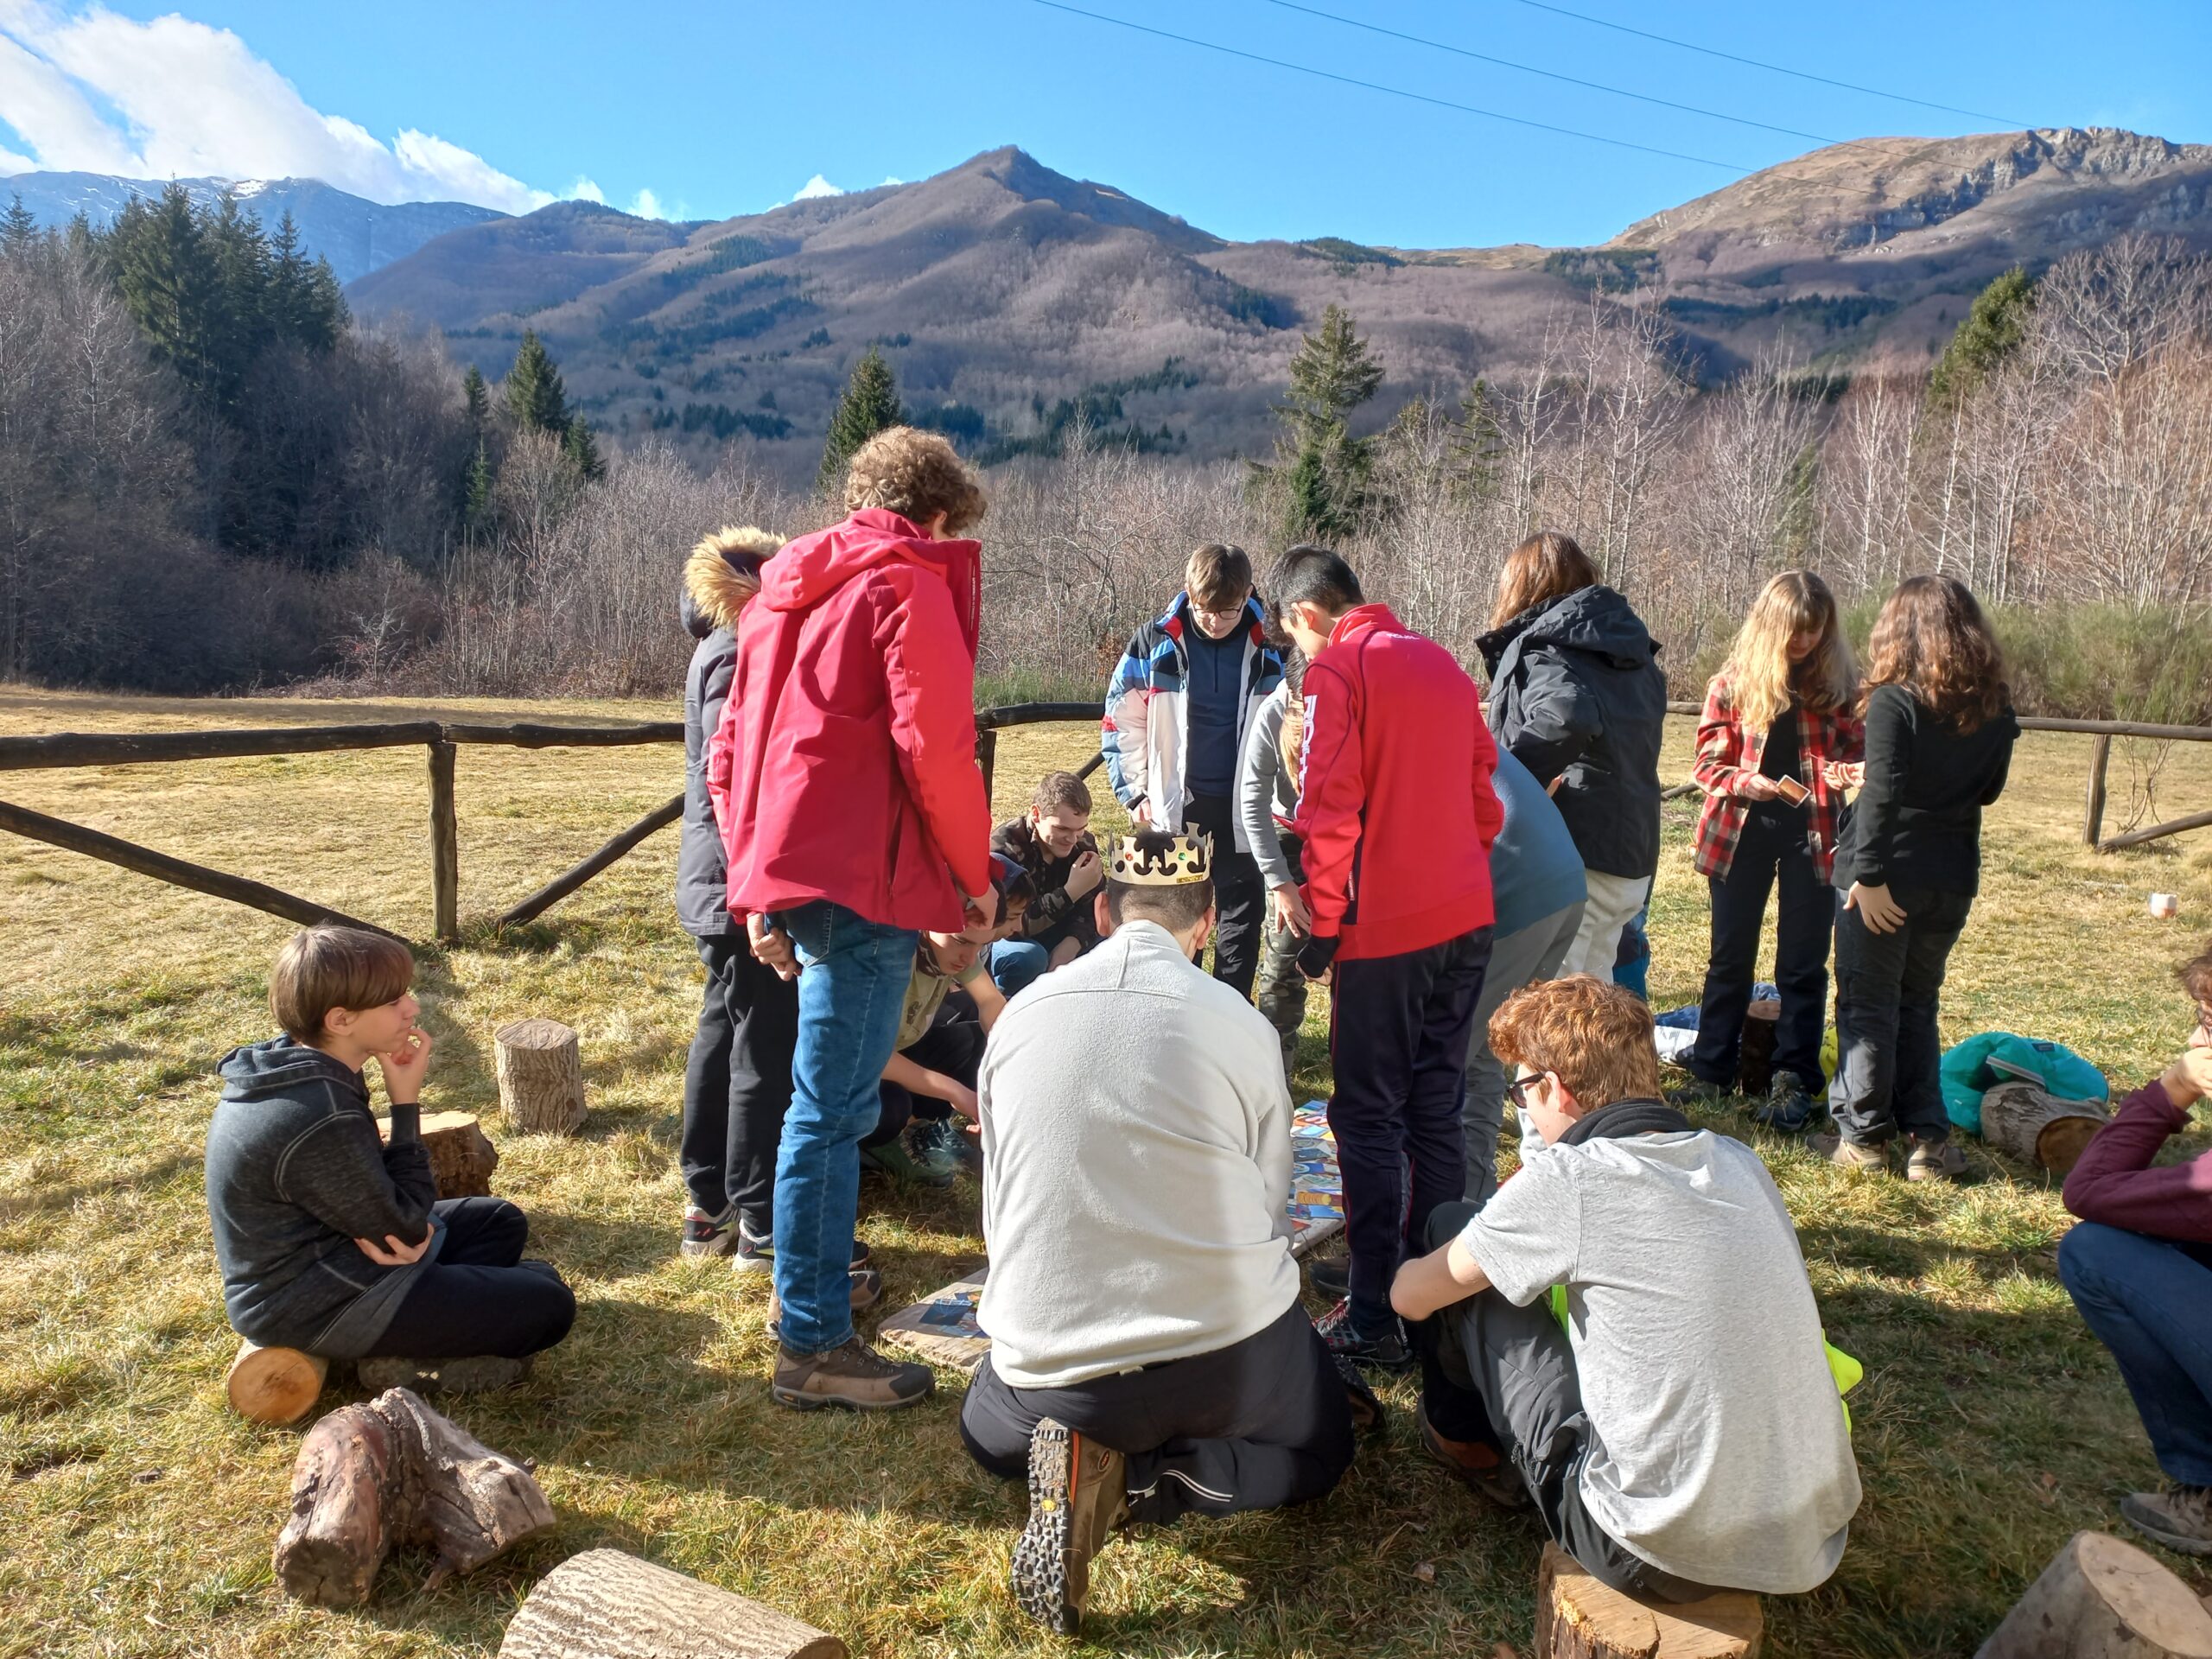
column 1578, row 695
column 737, row 1084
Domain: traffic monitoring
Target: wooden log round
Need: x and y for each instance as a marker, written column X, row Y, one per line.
column 2102, row 1598
column 394, row 1471
column 606, row 1605
column 1755, row 1062
column 541, row 1076
column 2019, row 1119
column 463, row 1156
column 274, row 1385
column 1578, row 1617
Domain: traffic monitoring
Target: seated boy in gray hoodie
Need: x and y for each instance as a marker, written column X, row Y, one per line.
column 333, row 1243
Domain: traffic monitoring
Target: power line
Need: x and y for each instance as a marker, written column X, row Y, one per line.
column 1773, row 68
column 1549, row 74
column 1394, row 92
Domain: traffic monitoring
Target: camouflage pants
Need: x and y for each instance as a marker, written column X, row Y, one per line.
column 1280, row 991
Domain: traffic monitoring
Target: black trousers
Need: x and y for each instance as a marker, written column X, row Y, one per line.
column 952, row 1046
column 1888, row 1045
column 1398, row 1032
column 1772, row 852
column 1258, row 1424
column 737, row 1084
column 1239, row 895
column 480, row 1296
column 1504, row 1375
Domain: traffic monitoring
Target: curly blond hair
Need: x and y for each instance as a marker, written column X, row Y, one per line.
column 916, row 474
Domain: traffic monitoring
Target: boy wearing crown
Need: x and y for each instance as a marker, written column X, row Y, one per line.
column 1148, row 1354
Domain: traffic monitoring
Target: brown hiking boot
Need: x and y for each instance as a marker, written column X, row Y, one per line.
column 851, row 1375
column 1848, row 1155
column 1936, row 1160
column 1475, row 1465
column 1077, row 1495
column 2180, row 1517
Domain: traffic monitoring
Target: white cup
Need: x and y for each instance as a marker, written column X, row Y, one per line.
column 2165, row 905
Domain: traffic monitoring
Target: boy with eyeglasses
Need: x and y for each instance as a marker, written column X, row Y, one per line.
column 2139, row 1268
column 1177, row 709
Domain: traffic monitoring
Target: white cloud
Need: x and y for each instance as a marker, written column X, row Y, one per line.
column 890, row 181
column 815, row 187
column 584, row 190
column 646, row 205
column 91, row 91
column 10, row 163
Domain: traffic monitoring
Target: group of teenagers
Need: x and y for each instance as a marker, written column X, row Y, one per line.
column 1620, row 1337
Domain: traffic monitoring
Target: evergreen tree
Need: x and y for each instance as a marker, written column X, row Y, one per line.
column 1992, row 331
column 240, row 253
column 172, row 285
column 870, row 405
column 303, row 302
column 478, row 397
column 577, row 443
column 1479, row 446
column 18, row 226
column 1328, row 469
column 476, row 491
column 536, row 397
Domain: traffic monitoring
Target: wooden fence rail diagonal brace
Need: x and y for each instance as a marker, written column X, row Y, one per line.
column 568, row 881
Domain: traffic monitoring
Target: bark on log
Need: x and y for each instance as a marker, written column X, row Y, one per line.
column 2102, row 1598
column 1754, row 1060
column 274, row 1385
column 1578, row 1617
column 463, row 1156
column 394, row 1471
column 541, row 1076
column 2021, row 1120
column 606, row 1605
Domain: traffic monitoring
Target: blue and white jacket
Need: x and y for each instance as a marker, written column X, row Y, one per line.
column 1146, row 730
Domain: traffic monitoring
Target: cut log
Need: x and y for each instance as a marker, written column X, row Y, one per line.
column 2101, row 1599
column 274, row 1385
column 606, row 1605
column 541, row 1076
column 1578, row 1617
column 2021, row 1120
column 1755, row 1067
column 394, row 1471
column 463, row 1156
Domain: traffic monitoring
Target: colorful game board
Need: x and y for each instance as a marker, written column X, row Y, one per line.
column 941, row 1328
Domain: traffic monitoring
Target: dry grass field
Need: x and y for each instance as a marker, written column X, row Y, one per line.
column 137, row 1513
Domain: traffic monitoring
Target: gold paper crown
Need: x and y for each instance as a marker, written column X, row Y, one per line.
column 1156, row 858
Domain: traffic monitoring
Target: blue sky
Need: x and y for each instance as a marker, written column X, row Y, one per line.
column 701, row 111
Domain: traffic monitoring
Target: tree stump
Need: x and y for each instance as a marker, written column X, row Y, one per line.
column 2020, row 1119
column 606, row 1605
column 2101, row 1599
column 394, row 1471
column 1755, row 1064
column 274, row 1385
column 463, row 1156
column 1578, row 1617
column 541, row 1076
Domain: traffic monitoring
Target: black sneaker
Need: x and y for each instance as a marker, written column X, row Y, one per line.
column 706, row 1234
column 1698, row 1094
column 756, row 1252
column 1789, row 1109
column 1387, row 1352
column 1331, row 1278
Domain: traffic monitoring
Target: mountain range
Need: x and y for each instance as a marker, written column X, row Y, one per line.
column 356, row 235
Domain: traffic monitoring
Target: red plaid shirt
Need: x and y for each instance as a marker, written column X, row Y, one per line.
column 1726, row 752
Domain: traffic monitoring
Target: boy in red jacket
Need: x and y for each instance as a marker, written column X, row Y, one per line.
column 1396, row 816
column 844, row 782
column 2140, row 1267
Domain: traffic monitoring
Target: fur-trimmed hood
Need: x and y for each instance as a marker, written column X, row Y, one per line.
column 721, row 573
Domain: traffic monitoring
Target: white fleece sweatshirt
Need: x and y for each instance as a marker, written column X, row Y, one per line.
column 1136, row 1167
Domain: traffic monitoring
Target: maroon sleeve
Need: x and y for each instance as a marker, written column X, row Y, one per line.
column 2115, row 1184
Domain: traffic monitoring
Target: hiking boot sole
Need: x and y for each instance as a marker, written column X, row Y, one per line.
column 1040, row 1575
column 2152, row 1527
column 799, row 1400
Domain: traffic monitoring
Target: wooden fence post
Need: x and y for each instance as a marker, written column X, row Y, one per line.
column 987, row 754
column 2093, row 813
column 445, row 847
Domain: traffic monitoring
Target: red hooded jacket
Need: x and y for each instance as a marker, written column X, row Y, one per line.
column 1395, row 803
column 844, row 767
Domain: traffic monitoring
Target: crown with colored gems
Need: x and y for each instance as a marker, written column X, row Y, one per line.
column 1155, row 858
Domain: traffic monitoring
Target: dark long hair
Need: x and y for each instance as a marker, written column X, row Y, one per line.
column 1933, row 640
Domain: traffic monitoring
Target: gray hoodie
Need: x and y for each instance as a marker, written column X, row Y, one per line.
column 296, row 1173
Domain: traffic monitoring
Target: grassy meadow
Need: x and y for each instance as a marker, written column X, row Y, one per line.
column 137, row 1513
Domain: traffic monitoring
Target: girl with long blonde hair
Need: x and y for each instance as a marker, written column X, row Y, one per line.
column 1780, row 734
column 1939, row 734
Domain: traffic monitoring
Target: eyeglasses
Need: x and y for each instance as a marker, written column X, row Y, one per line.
column 1517, row 1090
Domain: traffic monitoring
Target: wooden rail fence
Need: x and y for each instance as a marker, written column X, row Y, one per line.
column 442, row 739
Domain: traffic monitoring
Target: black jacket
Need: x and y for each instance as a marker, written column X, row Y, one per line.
column 1051, row 916
column 1916, row 822
column 1576, row 694
column 716, row 584
column 296, row 1173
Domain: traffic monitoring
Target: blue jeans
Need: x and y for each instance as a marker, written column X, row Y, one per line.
column 852, row 983
column 2150, row 1301
column 1015, row 963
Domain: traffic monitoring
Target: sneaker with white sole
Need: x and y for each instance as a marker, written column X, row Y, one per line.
column 1079, row 1493
column 1936, row 1160
column 1848, row 1155
column 852, row 1375
column 905, row 1159
column 706, row 1234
